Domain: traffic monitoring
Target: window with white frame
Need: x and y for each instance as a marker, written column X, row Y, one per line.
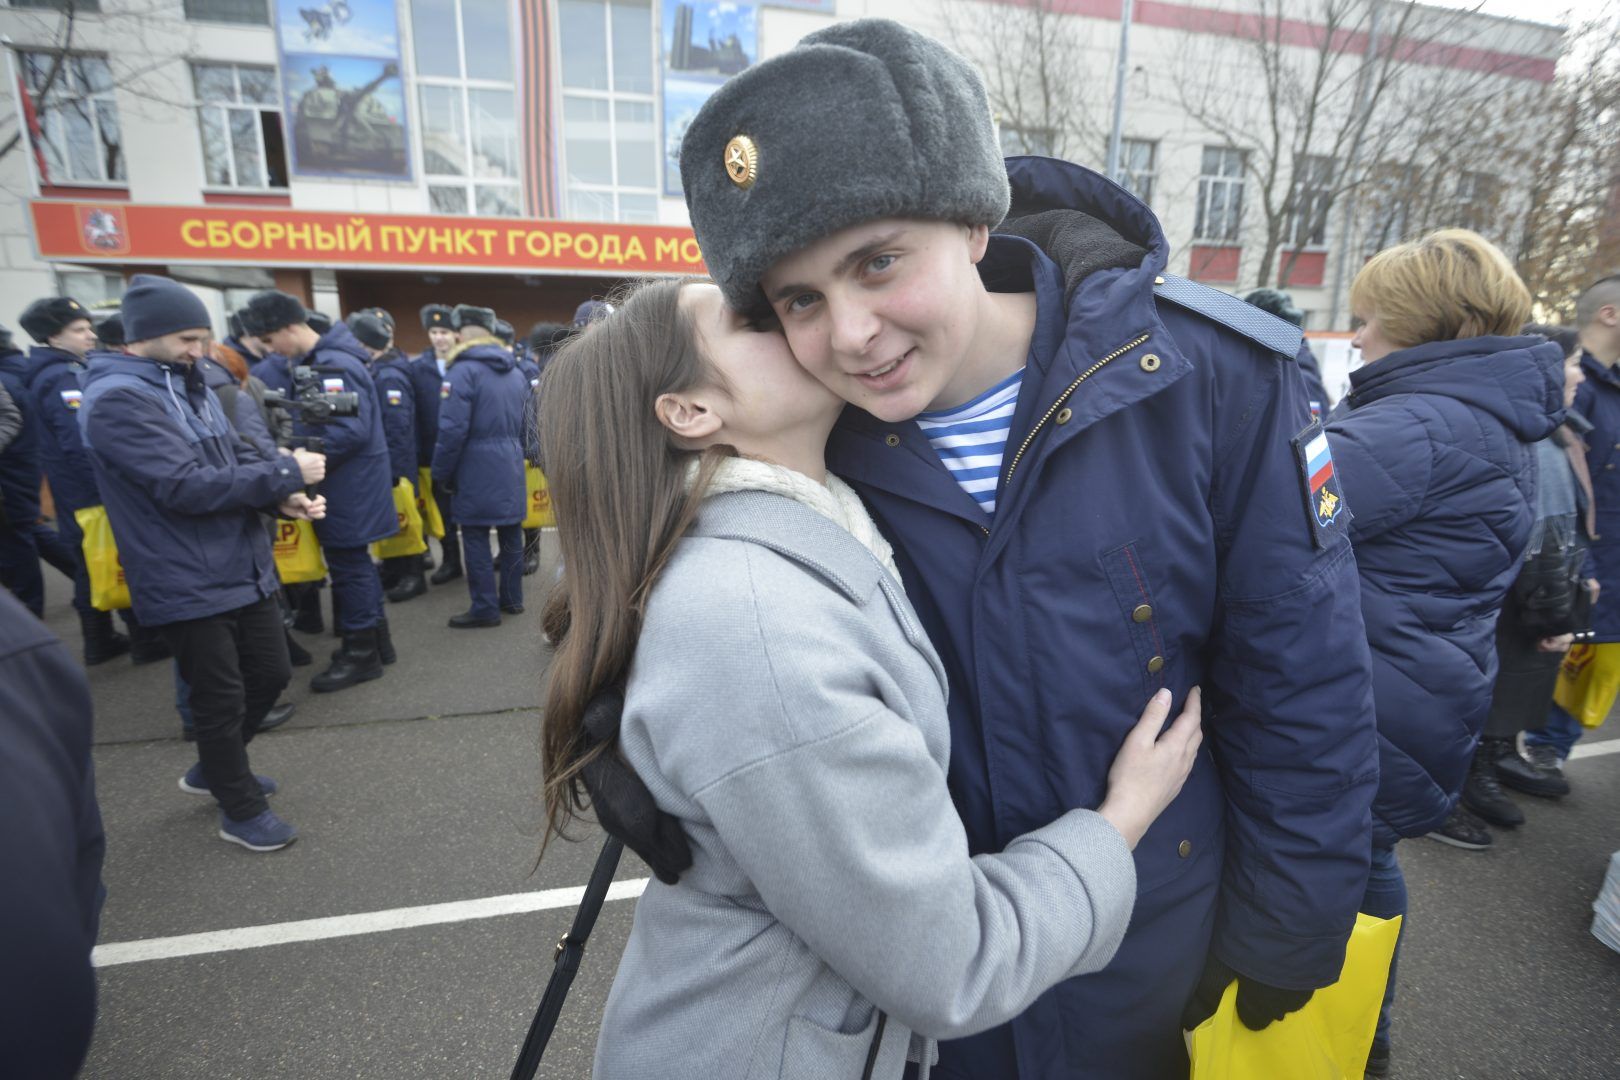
column 1020, row 140
column 1138, row 165
column 610, row 122
column 248, row 12
column 467, row 96
column 1220, row 195
column 239, row 120
column 92, row 288
column 78, row 117
column 1313, row 194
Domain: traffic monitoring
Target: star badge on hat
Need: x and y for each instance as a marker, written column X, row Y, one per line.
column 742, row 161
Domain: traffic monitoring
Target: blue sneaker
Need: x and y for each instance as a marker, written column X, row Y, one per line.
column 265, row 832
column 193, row 783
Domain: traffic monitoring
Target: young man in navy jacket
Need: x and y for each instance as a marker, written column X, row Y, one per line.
column 1097, row 478
column 184, row 495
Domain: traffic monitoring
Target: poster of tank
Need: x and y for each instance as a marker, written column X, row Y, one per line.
column 703, row 43
column 345, row 98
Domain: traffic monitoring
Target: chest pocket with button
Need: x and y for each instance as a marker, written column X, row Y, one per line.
column 1128, row 577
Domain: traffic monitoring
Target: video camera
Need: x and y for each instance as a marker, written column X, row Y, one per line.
column 312, row 403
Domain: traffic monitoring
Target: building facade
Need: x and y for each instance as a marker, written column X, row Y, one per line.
column 519, row 155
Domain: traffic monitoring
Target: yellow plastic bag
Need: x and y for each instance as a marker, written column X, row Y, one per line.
column 1326, row 1040
column 108, row 590
column 297, row 552
column 540, row 515
column 426, row 505
column 1588, row 681
column 408, row 540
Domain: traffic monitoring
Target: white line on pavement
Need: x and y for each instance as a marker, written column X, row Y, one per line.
column 1607, row 746
column 372, row 922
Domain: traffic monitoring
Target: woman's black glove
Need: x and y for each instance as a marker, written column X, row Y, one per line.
column 623, row 805
column 1258, row 1005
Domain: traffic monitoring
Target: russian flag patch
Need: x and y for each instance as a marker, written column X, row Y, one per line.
column 444, row 389
column 72, row 398
column 395, row 396
column 1324, row 496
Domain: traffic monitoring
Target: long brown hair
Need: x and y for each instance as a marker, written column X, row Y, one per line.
column 618, row 486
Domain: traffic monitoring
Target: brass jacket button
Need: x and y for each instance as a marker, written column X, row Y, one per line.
column 1064, row 415
column 892, row 440
column 1184, row 849
column 1155, row 665
column 1150, row 363
column 1142, row 613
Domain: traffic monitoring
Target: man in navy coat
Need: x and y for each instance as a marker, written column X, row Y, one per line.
column 478, row 461
column 24, row 538
column 1094, row 477
column 427, row 372
column 402, row 575
column 184, row 495
column 357, row 487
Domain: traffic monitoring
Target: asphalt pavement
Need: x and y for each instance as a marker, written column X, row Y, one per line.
column 419, row 792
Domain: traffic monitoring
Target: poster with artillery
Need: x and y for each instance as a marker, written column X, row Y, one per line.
column 345, row 98
column 704, row 43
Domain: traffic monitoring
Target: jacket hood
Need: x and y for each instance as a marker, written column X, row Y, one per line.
column 486, row 350
column 1518, row 380
column 41, row 357
column 1082, row 220
column 341, row 338
column 99, row 365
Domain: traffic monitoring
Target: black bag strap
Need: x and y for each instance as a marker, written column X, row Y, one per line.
column 570, row 950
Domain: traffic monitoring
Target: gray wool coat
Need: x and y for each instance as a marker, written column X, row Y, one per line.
column 786, row 706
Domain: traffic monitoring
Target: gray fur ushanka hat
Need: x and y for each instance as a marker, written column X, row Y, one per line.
column 861, row 121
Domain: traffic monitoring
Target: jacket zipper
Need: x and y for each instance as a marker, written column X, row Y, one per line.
column 1063, row 397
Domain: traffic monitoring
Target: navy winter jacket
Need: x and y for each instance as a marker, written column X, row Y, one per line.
column 1598, row 400
column 358, row 485
column 430, row 389
column 396, row 388
column 51, row 852
column 19, row 462
column 183, row 492
column 275, row 371
column 52, row 378
column 240, row 408
column 1434, row 446
column 1150, row 532
column 479, row 456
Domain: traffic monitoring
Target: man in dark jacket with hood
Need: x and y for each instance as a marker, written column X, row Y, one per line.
column 184, row 495
column 479, row 462
column 357, row 487
column 24, row 538
column 64, row 334
column 427, row 372
column 1088, row 470
column 402, row 575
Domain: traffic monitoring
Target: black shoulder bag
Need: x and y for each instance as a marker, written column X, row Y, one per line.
column 565, row 964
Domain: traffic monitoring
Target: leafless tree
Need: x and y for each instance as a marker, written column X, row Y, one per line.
column 1031, row 55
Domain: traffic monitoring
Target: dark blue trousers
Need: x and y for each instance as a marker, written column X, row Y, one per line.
column 488, row 597
column 356, row 589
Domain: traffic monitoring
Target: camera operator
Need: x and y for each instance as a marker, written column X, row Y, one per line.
column 183, row 494
column 348, row 424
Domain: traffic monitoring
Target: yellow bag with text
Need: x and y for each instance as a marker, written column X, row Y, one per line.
column 297, row 552
column 1588, row 681
column 540, row 515
column 408, row 540
column 427, row 506
column 1326, row 1040
column 108, row 590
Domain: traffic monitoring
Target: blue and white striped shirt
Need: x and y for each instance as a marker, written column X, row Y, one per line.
column 972, row 438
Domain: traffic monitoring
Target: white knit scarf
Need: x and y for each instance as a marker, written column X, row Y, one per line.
column 834, row 500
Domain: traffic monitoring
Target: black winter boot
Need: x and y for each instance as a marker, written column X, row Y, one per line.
column 1482, row 792
column 101, row 642
column 309, row 620
column 385, row 643
column 450, row 569
column 411, row 583
column 356, row 662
